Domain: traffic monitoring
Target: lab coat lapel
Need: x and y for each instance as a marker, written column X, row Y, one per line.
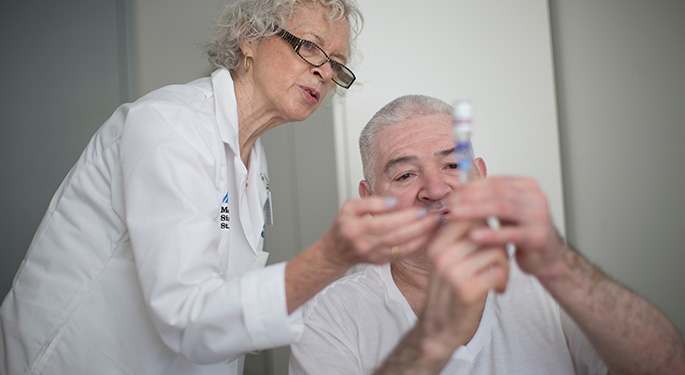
column 250, row 201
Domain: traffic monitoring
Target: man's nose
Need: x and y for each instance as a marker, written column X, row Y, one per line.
column 434, row 186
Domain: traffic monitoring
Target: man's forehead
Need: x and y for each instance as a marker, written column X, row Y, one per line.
column 407, row 141
column 405, row 133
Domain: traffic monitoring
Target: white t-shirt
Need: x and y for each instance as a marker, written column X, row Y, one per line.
column 352, row 326
column 150, row 257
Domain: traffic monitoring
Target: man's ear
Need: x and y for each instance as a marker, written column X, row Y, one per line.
column 482, row 168
column 364, row 189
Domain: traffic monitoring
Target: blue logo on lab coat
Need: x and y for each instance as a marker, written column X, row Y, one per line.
column 224, row 217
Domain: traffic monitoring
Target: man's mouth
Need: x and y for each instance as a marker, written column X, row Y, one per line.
column 442, row 213
column 437, row 208
column 438, row 211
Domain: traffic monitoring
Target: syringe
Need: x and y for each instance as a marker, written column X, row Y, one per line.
column 462, row 114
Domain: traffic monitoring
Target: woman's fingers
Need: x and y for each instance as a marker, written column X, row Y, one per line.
column 372, row 230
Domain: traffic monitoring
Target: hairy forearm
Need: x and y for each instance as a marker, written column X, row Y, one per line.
column 416, row 356
column 444, row 326
column 630, row 334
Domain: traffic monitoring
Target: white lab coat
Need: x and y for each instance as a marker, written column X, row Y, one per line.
column 150, row 257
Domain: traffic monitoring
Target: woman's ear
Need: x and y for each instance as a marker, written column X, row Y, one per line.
column 247, row 48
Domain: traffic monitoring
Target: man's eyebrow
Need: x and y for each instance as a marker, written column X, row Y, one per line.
column 447, row 152
column 392, row 162
column 406, row 159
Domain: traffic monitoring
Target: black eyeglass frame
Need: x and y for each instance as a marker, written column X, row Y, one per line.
column 296, row 43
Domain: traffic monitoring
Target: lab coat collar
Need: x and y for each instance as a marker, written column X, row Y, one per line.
column 226, row 108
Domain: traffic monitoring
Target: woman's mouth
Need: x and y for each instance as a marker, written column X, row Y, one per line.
column 311, row 95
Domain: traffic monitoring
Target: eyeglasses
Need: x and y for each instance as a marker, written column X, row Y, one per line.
column 315, row 56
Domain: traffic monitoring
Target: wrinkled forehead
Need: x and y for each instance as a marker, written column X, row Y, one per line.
column 424, row 133
column 310, row 21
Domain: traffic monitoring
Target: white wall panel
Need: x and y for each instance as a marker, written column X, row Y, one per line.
column 497, row 54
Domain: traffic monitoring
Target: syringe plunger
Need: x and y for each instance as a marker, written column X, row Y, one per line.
column 463, row 111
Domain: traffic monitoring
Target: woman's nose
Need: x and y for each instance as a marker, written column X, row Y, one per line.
column 325, row 71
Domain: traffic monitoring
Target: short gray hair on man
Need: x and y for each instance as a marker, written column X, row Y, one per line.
column 400, row 109
column 253, row 20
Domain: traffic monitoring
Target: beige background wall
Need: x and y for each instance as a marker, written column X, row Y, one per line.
column 621, row 98
column 496, row 54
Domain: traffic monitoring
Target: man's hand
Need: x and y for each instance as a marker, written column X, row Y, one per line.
column 463, row 274
column 629, row 334
column 523, row 211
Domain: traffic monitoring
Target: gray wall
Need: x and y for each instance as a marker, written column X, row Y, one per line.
column 621, row 99
column 63, row 71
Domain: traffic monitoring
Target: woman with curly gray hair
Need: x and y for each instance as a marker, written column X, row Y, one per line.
column 150, row 257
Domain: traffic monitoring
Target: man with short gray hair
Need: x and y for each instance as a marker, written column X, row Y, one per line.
column 463, row 304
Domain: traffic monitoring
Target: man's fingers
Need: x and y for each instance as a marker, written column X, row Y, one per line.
column 473, row 271
column 516, row 200
column 448, row 234
column 467, row 259
column 535, row 235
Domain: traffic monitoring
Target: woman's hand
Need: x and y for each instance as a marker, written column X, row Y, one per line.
column 372, row 230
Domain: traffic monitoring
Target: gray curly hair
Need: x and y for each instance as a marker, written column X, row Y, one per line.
column 252, row 20
column 400, row 109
